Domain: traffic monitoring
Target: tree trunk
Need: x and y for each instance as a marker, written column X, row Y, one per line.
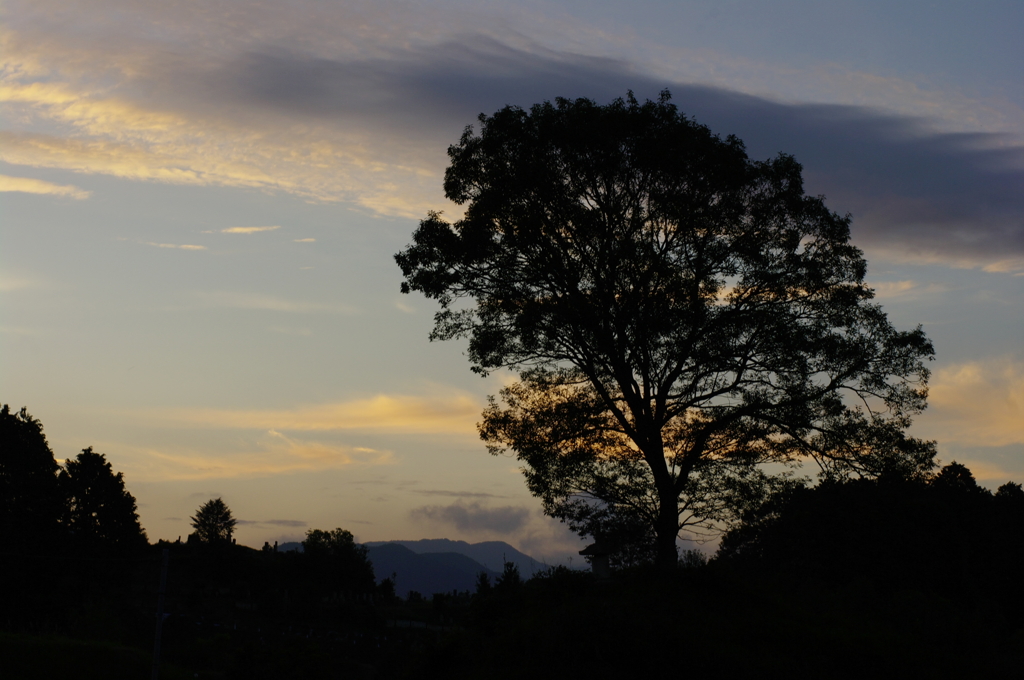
column 666, row 530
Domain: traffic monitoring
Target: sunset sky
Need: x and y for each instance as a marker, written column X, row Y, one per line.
column 201, row 202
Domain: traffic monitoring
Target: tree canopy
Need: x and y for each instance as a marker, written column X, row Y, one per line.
column 942, row 533
column 679, row 315
column 336, row 560
column 100, row 510
column 31, row 503
column 213, row 522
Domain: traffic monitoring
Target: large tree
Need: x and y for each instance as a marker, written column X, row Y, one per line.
column 31, row 503
column 679, row 315
column 100, row 511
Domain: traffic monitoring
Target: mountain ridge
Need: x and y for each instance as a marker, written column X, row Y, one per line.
column 490, row 554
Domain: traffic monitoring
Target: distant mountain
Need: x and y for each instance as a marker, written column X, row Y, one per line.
column 427, row 573
column 490, row 554
column 440, row 565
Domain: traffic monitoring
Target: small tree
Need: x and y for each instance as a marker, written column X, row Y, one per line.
column 99, row 510
column 213, row 522
column 483, row 584
column 509, row 581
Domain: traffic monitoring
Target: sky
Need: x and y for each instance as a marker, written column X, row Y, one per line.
column 200, row 203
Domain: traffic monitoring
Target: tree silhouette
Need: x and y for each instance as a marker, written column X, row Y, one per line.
column 99, row 511
column 510, row 580
column 213, row 522
column 337, row 561
column 956, row 478
column 942, row 534
column 31, row 503
column 679, row 315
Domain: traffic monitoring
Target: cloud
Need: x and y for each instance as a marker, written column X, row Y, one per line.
column 451, row 412
column 305, row 240
column 363, row 113
column 912, row 192
column 987, row 471
column 978, row 403
column 10, row 283
column 453, row 494
column 889, row 289
column 247, row 230
column 175, row 245
column 271, row 454
column 269, row 302
column 1013, row 264
column 473, row 517
column 885, row 290
column 37, row 186
column 289, row 523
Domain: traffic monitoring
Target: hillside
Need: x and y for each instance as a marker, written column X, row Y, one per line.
column 490, row 554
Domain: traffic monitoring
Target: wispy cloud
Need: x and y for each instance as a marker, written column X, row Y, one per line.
column 10, row 282
column 184, row 246
column 453, row 494
column 341, row 113
column 988, row 471
column 305, row 240
column 978, row 403
column 1013, row 264
column 37, row 186
column 272, row 303
column 451, row 412
column 271, row 454
column 248, row 230
column 886, row 290
column 289, row 523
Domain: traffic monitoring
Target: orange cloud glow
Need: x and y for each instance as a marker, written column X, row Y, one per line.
column 977, row 403
column 453, row 413
column 272, row 454
column 37, row 186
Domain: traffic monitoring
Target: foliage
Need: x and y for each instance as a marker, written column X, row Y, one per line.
column 334, row 543
column 30, row 500
column 213, row 522
column 679, row 316
column 510, row 580
column 636, row 623
column 483, row 584
column 337, row 561
column 942, row 534
column 100, row 511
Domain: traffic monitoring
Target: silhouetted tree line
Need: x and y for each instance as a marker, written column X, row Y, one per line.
column 76, row 562
column 940, row 534
column 897, row 576
column 82, row 505
column 903, row 573
column 69, row 533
